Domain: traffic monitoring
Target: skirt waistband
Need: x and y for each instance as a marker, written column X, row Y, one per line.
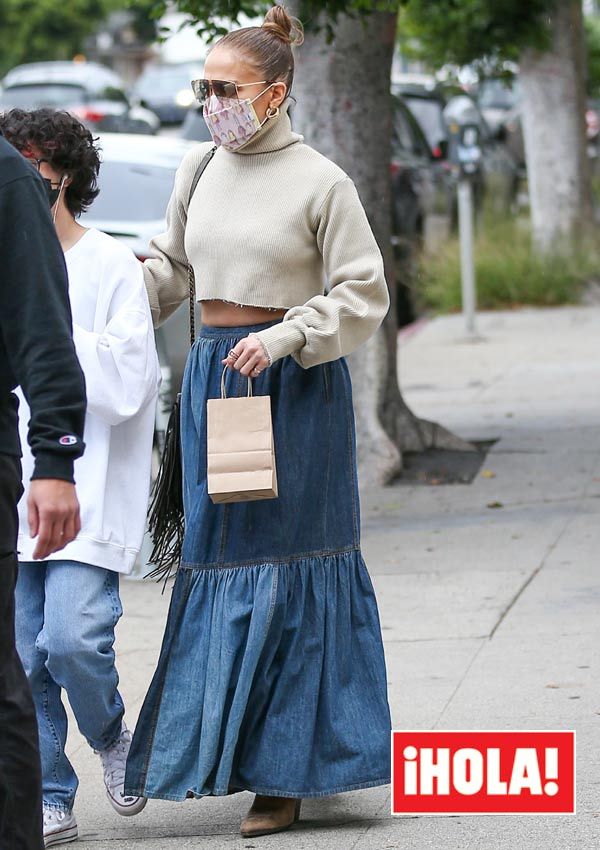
column 210, row 332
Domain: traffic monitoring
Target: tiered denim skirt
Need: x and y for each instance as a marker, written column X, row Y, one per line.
column 271, row 676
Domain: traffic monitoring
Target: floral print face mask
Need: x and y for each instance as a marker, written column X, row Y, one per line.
column 232, row 122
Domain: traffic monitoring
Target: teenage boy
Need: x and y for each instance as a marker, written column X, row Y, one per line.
column 36, row 350
column 68, row 605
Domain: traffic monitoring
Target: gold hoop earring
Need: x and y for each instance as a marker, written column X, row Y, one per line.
column 272, row 112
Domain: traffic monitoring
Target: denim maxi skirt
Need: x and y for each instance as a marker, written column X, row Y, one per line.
column 271, row 676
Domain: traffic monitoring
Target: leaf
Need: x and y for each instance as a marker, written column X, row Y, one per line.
column 487, row 473
column 486, row 32
column 494, row 505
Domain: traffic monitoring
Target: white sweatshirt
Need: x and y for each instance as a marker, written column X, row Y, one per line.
column 114, row 339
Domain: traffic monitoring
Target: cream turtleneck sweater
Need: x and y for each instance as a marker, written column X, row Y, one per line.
column 269, row 226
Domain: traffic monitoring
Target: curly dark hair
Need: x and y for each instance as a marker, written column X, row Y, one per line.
column 64, row 142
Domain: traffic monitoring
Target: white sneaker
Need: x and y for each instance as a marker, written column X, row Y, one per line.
column 59, row 827
column 113, row 763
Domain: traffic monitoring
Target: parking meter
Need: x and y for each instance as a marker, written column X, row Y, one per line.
column 464, row 147
column 463, row 122
column 464, row 154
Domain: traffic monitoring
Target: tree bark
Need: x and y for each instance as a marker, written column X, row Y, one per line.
column 553, row 115
column 343, row 110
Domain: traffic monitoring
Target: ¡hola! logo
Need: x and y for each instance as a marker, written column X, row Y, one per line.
column 483, row 772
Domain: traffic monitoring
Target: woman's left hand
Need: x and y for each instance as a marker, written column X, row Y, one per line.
column 248, row 357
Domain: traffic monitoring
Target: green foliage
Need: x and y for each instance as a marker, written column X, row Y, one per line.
column 459, row 31
column 592, row 34
column 210, row 19
column 32, row 30
column 462, row 32
column 213, row 18
column 509, row 273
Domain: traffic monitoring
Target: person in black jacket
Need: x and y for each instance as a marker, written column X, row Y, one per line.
column 37, row 353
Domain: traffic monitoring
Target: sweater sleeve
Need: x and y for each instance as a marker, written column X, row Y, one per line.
column 35, row 323
column 330, row 326
column 166, row 272
column 120, row 363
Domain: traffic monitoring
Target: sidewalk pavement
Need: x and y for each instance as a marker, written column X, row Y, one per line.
column 490, row 615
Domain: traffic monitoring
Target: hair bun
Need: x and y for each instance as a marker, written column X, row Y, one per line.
column 282, row 26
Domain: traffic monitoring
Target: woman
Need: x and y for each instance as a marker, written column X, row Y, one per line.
column 271, row 676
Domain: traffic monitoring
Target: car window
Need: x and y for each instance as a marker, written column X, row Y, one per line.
column 50, row 94
column 166, row 79
column 498, row 94
column 420, row 145
column 430, row 115
column 407, row 135
column 132, row 192
column 401, row 134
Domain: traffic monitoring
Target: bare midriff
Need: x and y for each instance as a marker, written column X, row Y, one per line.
column 223, row 314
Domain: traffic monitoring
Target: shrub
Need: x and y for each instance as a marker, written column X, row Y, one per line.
column 508, row 272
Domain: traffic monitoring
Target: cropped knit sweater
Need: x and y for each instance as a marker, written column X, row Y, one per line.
column 274, row 225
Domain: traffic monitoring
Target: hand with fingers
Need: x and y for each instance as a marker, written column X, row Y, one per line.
column 53, row 514
column 249, row 357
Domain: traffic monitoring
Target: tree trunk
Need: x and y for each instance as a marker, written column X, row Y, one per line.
column 553, row 114
column 343, row 110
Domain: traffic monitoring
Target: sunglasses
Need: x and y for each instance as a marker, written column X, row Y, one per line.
column 35, row 161
column 203, row 89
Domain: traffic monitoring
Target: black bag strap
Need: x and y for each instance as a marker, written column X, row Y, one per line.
column 191, row 279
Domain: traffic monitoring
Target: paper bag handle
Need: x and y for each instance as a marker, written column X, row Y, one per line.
column 223, row 392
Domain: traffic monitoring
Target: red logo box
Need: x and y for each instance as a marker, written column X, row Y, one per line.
column 476, row 773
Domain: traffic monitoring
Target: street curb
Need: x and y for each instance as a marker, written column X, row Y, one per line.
column 408, row 331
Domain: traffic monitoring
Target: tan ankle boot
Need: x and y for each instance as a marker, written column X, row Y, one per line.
column 270, row 814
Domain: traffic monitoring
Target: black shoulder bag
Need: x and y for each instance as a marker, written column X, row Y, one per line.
column 165, row 514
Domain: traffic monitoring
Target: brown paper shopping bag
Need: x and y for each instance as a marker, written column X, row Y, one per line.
column 240, row 448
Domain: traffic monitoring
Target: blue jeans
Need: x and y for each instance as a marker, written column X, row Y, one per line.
column 66, row 613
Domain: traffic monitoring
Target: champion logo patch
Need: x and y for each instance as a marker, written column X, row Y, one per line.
column 68, row 440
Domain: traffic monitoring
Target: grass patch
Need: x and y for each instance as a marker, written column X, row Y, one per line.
column 508, row 272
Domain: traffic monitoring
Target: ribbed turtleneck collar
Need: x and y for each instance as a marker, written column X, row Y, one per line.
column 274, row 135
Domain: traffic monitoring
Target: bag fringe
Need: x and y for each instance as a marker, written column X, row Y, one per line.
column 165, row 514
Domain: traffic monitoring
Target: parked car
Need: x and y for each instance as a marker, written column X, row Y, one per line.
column 136, row 180
column 87, row 89
column 435, row 106
column 422, row 201
column 511, row 132
column 420, row 182
column 500, row 102
column 166, row 90
column 496, row 97
column 194, row 126
column 423, row 96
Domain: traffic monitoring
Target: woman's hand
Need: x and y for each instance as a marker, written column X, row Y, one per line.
column 249, row 357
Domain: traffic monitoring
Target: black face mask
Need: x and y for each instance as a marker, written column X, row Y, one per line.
column 53, row 193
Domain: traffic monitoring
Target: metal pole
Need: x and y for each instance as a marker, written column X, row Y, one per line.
column 467, row 264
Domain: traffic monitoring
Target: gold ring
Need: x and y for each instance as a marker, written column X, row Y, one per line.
column 233, row 354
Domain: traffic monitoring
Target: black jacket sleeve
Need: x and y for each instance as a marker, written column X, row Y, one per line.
column 35, row 323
